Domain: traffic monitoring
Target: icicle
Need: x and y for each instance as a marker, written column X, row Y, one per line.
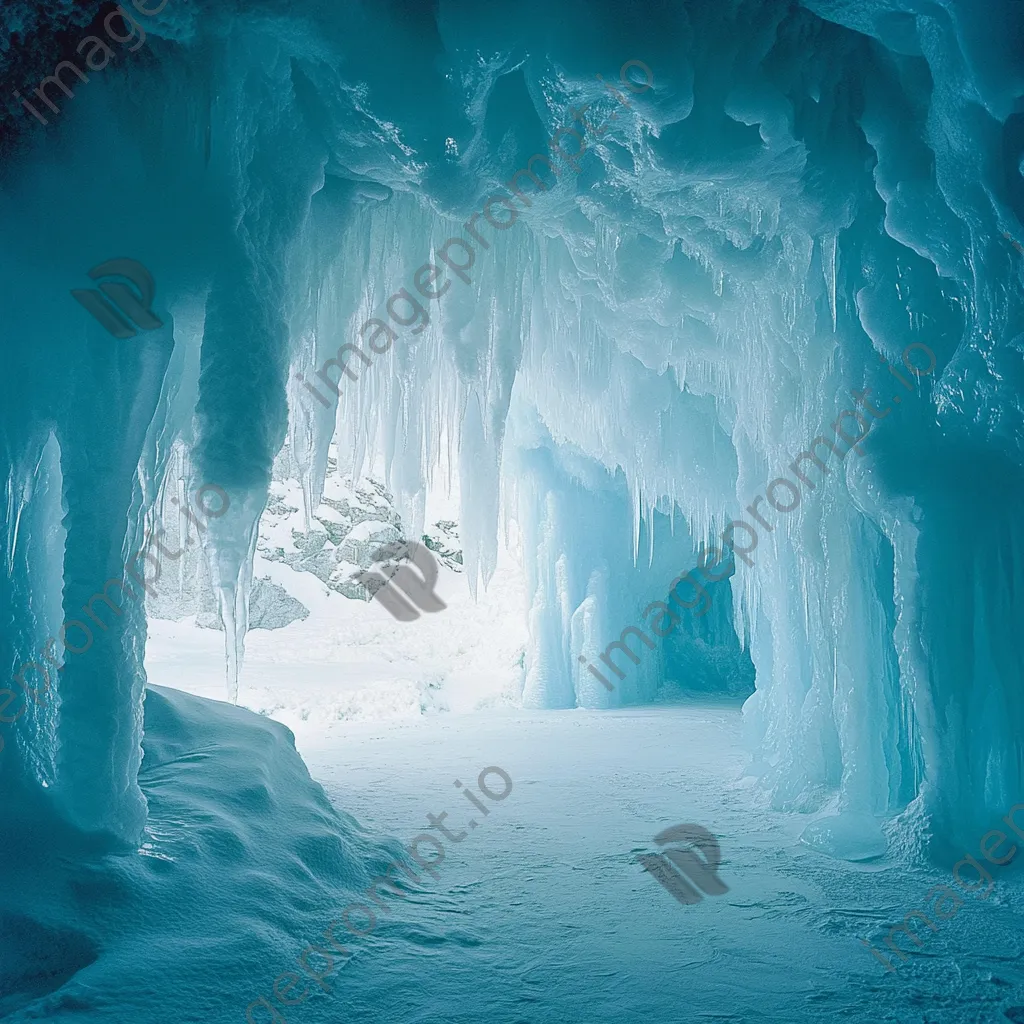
column 828, row 265
column 637, row 498
column 650, row 532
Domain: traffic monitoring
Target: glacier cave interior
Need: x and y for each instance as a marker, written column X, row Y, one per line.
column 628, row 368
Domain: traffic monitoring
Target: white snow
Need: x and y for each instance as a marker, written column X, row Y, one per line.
column 351, row 659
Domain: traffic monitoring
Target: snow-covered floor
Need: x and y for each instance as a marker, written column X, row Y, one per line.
column 541, row 913
column 547, row 917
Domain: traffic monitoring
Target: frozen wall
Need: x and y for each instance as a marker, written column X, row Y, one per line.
column 752, row 209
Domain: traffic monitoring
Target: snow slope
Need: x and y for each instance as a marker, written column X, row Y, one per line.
column 538, row 915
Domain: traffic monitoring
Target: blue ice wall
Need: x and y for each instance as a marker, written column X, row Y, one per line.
column 752, row 212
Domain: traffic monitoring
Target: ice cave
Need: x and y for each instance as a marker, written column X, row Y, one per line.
column 509, row 511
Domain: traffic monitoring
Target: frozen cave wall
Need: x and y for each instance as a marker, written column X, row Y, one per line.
column 800, row 193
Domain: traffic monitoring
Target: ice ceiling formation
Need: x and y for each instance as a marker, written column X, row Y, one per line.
column 623, row 360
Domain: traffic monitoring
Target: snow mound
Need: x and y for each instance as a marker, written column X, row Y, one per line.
column 244, row 862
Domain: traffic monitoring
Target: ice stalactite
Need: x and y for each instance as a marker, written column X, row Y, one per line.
column 698, row 269
column 34, row 557
column 249, row 309
column 303, row 433
column 98, row 752
column 229, row 549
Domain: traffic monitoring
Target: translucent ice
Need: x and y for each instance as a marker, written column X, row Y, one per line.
column 625, row 270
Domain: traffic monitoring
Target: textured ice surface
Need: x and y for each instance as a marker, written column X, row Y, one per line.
column 853, row 837
column 804, row 192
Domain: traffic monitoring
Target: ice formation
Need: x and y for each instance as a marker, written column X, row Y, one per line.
column 742, row 214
